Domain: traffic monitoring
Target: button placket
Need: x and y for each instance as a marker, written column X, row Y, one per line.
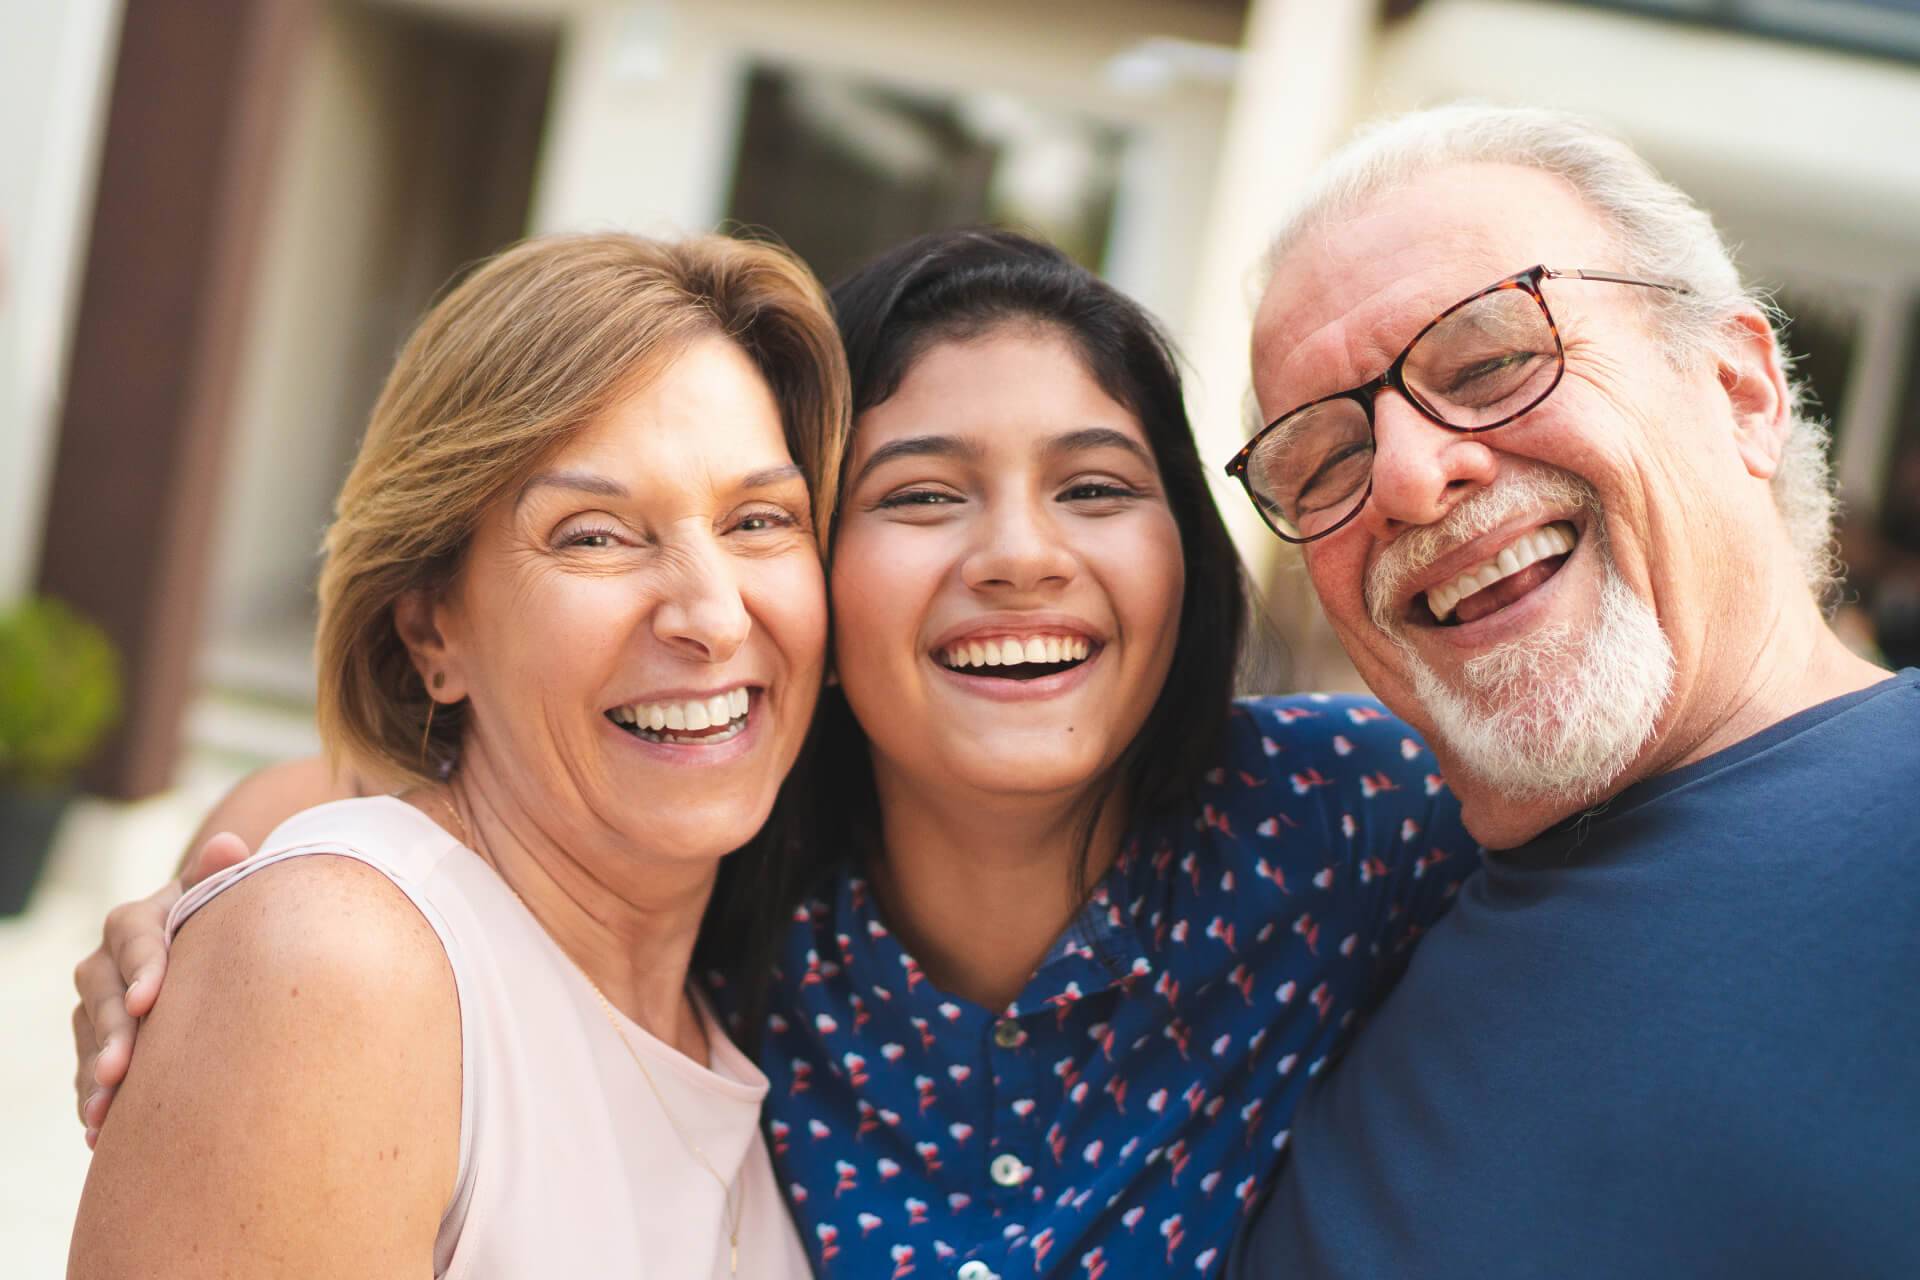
column 1014, row 1144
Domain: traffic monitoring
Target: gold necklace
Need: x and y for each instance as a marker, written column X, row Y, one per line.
column 727, row 1198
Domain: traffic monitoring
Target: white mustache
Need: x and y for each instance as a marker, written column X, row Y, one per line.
column 1523, row 488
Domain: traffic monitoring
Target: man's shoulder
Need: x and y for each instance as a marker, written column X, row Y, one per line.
column 1868, row 738
column 1841, row 777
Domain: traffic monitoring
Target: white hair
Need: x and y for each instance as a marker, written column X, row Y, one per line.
column 1562, row 711
column 1661, row 233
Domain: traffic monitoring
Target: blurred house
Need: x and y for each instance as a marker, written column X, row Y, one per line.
column 222, row 216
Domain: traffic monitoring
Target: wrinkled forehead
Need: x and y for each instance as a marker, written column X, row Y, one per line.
column 1353, row 290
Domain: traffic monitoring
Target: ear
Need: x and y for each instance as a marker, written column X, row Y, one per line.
column 1749, row 371
column 420, row 617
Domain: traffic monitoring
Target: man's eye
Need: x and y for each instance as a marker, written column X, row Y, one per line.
column 1334, row 478
column 1491, row 377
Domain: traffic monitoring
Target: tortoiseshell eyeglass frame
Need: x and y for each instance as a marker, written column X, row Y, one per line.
column 1527, row 281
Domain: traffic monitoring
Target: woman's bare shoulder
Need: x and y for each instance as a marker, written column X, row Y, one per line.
column 333, row 913
column 295, row 1095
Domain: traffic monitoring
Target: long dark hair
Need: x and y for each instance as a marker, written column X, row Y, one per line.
column 956, row 285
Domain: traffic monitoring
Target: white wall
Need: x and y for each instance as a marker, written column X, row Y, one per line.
column 55, row 65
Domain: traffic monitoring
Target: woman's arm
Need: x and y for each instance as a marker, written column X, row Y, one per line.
column 119, row 980
column 295, row 1108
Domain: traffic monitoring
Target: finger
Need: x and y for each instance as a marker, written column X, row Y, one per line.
column 110, row 1066
column 93, row 1113
column 84, row 1051
column 221, row 851
column 103, row 1005
column 136, row 940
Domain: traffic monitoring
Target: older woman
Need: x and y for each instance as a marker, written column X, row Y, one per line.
column 573, row 609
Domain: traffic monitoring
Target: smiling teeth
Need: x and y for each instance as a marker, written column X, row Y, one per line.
column 1011, row 651
column 688, row 717
column 1551, row 540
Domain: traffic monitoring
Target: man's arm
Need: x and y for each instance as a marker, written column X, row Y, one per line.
column 119, row 980
column 295, row 1108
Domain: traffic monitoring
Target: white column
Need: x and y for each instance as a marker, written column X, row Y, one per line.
column 1873, row 398
column 1303, row 63
column 645, row 122
column 56, row 62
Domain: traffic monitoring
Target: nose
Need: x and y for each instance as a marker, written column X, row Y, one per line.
column 1020, row 549
column 1421, row 470
column 701, row 614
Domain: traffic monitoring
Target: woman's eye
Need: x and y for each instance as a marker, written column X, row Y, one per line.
column 590, row 539
column 762, row 521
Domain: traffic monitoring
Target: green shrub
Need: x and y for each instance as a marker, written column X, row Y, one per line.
column 59, row 692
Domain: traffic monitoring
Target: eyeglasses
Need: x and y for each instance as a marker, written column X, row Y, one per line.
column 1479, row 364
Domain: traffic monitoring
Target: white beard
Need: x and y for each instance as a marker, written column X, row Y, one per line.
column 1562, row 712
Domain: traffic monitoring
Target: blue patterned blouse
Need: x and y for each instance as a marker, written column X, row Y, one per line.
column 1119, row 1116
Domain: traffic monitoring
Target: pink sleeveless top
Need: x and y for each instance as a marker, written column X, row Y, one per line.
column 569, row 1166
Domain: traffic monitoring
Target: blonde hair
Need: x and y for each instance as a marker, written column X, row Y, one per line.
column 509, row 365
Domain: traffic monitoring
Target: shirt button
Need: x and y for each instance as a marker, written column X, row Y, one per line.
column 1008, row 1035
column 977, row 1270
column 1007, row 1171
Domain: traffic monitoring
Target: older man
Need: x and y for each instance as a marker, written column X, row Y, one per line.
column 1560, row 501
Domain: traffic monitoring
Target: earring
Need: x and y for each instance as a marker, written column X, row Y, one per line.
column 433, row 704
column 427, row 732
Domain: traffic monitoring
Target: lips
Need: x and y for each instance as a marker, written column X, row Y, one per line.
column 1017, row 656
column 687, row 721
column 1012, row 647
column 1497, row 581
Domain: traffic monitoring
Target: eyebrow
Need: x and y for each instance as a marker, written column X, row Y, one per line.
column 590, row 482
column 1096, row 438
column 917, row 447
column 582, row 481
column 769, row 476
column 1067, row 442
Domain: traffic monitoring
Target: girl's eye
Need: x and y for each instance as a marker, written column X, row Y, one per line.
column 1098, row 490
column 917, row 498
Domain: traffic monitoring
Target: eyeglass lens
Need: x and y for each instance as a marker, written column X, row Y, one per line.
column 1481, row 364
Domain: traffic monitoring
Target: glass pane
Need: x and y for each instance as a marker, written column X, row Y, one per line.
column 841, row 168
column 1489, row 360
column 1310, row 470
column 1893, row 594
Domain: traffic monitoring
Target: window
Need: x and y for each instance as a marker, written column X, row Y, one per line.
column 841, row 168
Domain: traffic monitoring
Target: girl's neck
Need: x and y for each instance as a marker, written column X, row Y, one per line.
column 979, row 887
column 627, row 920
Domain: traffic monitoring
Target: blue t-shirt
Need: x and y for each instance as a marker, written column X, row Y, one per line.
column 1678, row 1036
column 1121, row 1115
